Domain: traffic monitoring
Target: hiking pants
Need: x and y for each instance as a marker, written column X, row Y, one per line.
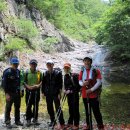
column 73, row 103
column 16, row 99
column 32, row 99
column 94, row 104
column 49, row 100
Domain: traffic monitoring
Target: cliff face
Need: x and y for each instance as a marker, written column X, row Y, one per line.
column 12, row 21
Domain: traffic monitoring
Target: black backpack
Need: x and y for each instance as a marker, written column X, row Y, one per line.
column 2, row 77
column 75, row 81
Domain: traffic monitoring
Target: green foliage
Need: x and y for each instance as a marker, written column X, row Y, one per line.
column 74, row 17
column 25, row 28
column 15, row 43
column 2, row 5
column 113, row 29
column 48, row 44
column 51, row 40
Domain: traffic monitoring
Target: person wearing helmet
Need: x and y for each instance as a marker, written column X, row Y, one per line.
column 72, row 91
column 33, row 81
column 51, row 89
column 90, row 80
column 11, row 85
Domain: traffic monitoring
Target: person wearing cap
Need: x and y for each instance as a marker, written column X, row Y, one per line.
column 72, row 91
column 51, row 89
column 33, row 81
column 90, row 80
column 11, row 85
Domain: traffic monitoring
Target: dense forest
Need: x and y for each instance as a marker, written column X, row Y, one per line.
column 106, row 22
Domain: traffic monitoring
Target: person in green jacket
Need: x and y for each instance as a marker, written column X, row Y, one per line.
column 33, row 81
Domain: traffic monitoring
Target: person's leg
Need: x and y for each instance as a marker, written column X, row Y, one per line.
column 70, row 105
column 57, row 106
column 36, row 105
column 97, row 113
column 86, row 110
column 76, row 109
column 17, row 102
column 50, row 109
column 8, row 110
column 29, row 99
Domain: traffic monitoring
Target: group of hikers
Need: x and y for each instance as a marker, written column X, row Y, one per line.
column 87, row 82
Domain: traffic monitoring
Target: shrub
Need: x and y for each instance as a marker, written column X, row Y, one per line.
column 15, row 43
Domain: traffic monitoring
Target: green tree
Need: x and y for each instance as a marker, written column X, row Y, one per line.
column 113, row 29
column 74, row 17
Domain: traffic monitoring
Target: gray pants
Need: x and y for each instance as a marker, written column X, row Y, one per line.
column 16, row 99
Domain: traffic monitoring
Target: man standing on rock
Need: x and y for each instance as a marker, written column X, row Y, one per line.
column 11, row 85
column 51, row 89
column 33, row 81
column 90, row 80
column 72, row 89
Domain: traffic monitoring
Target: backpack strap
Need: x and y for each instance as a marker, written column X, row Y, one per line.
column 26, row 76
column 95, row 72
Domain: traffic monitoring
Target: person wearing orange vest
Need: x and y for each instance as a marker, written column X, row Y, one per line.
column 90, row 83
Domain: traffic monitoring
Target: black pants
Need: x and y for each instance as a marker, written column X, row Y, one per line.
column 32, row 100
column 94, row 104
column 73, row 103
column 50, row 108
column 16, row 99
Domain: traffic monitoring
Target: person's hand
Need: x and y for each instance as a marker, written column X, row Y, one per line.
column 8, row 98
column 43, row 95
column 85, row 83
column 88, row 91
column 22, row 93
column 59, row 96
column 64, row 91
column 68, row 91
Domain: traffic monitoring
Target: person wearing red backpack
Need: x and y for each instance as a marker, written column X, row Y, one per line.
column 91, row 82
column 71, row 89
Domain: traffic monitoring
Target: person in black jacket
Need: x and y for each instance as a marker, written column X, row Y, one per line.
column 51, row 89
column 11, row 85
column 72, row 90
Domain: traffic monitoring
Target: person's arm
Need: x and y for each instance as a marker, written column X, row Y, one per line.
column 97, row 85
column 59, row 80
column 5, row 85
column 5, row 82
column 80, row 79
column 43, row 84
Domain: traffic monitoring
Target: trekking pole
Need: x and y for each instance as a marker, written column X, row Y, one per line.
column 89, row 113
column 60, row 108
column 26, row 109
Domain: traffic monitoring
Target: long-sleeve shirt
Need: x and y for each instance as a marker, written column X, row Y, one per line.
column 95, row 83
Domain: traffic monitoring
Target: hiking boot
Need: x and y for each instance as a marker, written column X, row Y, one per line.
column 28, row 123
column 9, row 126
column 59, row 127
column 75, row 127
column 68, row 126
column 34, row 121
column 100, row 127
column 18, row 123
column 7, row 122
column 52, row 124
column 86, row 128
